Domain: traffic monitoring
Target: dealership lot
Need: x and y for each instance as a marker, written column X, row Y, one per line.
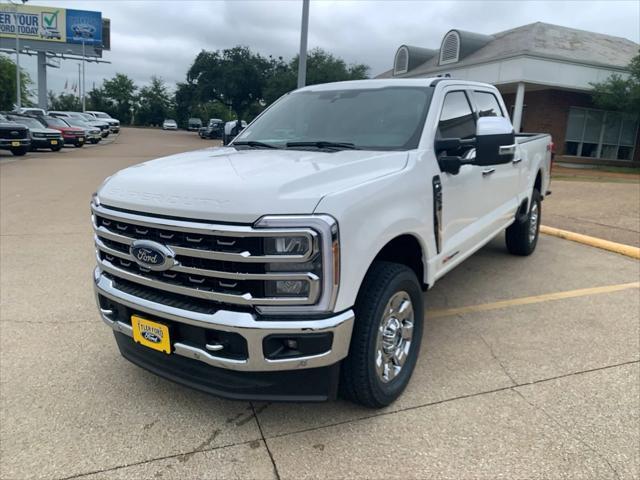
column 539, row 377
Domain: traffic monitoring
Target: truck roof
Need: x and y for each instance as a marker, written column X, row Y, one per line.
column 389, row 82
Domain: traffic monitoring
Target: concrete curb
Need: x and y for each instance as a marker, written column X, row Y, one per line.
column 622, row 249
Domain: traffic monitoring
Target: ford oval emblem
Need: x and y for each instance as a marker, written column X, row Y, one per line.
column 152, row 255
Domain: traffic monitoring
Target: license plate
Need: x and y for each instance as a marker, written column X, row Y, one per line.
column 151, row 334
column 81, row 139
column 54, row 142
column 15, row 144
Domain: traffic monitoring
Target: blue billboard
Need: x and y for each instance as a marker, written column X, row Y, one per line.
column 84, row 26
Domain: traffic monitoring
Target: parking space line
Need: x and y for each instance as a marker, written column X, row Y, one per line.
column 583, row 292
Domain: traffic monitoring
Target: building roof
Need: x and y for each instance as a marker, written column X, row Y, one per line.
column 540, row 40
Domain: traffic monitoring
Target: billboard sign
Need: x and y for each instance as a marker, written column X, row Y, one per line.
column 51, row 24
column 84, row 26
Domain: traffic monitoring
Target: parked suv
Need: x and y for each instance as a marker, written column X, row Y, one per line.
column 213, row 129
column 194, row 124
column 105, row 117
column 71, row 135
column 291, row 264
column 41, row 136
column 14, row 137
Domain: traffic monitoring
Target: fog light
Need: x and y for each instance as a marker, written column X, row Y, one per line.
column 288, row 288
column 291, row 343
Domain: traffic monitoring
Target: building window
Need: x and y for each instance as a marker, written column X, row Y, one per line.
column 450, row 48
column 401, row 63
column 600, row 134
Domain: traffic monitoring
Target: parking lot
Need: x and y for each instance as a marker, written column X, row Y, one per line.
column 529, row 366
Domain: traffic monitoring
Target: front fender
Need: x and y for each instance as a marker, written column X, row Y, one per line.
column 372, row 214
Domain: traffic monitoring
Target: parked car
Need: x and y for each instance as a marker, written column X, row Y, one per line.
column 291, row 264
column 41, row 136
column 213, row 129
column 232, row 129
column 14, row 137
column 71, row 135
column 32, row 111
column 105, row 117
column 169, row 125
column 100, row 124
column 92, row 134
column 194, row 124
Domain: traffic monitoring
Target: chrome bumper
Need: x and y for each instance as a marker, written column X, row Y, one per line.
column 243, row 323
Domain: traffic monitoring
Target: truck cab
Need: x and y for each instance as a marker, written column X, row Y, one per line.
column 291, row 264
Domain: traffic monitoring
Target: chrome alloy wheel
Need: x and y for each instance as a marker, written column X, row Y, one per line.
column 533, row 222
column 395, row 333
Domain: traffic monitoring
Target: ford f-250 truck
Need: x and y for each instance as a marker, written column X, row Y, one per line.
column 291, row 264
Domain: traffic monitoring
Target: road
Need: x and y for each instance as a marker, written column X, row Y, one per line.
column 529, row 368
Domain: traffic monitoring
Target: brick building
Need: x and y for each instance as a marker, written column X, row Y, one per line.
column 544, row 73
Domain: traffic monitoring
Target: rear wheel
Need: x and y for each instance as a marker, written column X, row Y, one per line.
column 522, row 235
column 386, row 336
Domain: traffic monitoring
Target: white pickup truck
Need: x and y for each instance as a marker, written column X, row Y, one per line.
column 291, row 264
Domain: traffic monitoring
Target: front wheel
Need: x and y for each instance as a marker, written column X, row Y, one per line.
column 19, row 152
column 386, row 336
column 522, row 235
column 94, row 141
column 56, row 149
column 78, row 144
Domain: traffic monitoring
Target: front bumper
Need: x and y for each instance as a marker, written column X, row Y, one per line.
column 11, row 143
column 114, row 128
column 46, row 142
column 116, row 307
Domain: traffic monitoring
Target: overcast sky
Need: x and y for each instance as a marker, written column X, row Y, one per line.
column 163, row 37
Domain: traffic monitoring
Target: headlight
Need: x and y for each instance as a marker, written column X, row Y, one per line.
column 303, row 262
column 286, row 245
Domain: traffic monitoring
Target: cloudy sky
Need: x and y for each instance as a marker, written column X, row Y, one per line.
column 163, row 37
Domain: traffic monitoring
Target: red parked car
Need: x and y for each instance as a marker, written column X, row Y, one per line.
column 72, row 135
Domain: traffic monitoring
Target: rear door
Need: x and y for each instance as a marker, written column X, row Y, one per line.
column 501, row 182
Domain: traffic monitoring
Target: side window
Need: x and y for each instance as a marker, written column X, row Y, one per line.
column 456, row 119
column 487, row 104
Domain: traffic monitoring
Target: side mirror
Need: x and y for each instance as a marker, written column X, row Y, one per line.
column 495, row 141
column 450, row 164
column 447, row 144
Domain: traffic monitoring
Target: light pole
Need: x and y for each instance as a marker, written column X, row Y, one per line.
column 18, row 89
column 302, row 57
column 83, row 96
column 79, row 85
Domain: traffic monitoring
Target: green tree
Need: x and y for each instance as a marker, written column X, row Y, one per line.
column 234, row 77
column 98, row 100
column 64, row 102
column 322, row 67
column 155, row 103
column 121, row 90
column 620, row 93
column 8, row 83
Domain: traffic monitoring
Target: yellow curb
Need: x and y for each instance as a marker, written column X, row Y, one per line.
column 622, row 249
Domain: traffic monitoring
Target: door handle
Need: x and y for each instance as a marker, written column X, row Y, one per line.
column 488, row 171
column 516, row 160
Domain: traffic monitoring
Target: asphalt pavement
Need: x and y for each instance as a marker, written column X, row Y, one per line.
column 529, row 368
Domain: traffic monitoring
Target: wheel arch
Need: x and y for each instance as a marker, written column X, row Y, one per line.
column 405, row 249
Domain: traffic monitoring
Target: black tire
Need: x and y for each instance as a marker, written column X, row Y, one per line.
column 56, row 149
column 359, row 381
column 78, row 145
column 19, row 152
column 94, row 141
column 520, row 238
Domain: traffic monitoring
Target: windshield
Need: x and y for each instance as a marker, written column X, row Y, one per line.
column 56, row 122
column 29, row 122
column 388, row 118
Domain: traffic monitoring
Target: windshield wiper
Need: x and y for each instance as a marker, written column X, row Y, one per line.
column 323, row 144
column 254, row 144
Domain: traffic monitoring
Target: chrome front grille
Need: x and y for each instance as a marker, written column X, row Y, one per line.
column 221, row 264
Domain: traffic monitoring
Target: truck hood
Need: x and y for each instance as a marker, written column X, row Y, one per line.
column 229, row 185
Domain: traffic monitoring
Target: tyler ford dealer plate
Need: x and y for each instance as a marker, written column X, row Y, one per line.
column 151, row 334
